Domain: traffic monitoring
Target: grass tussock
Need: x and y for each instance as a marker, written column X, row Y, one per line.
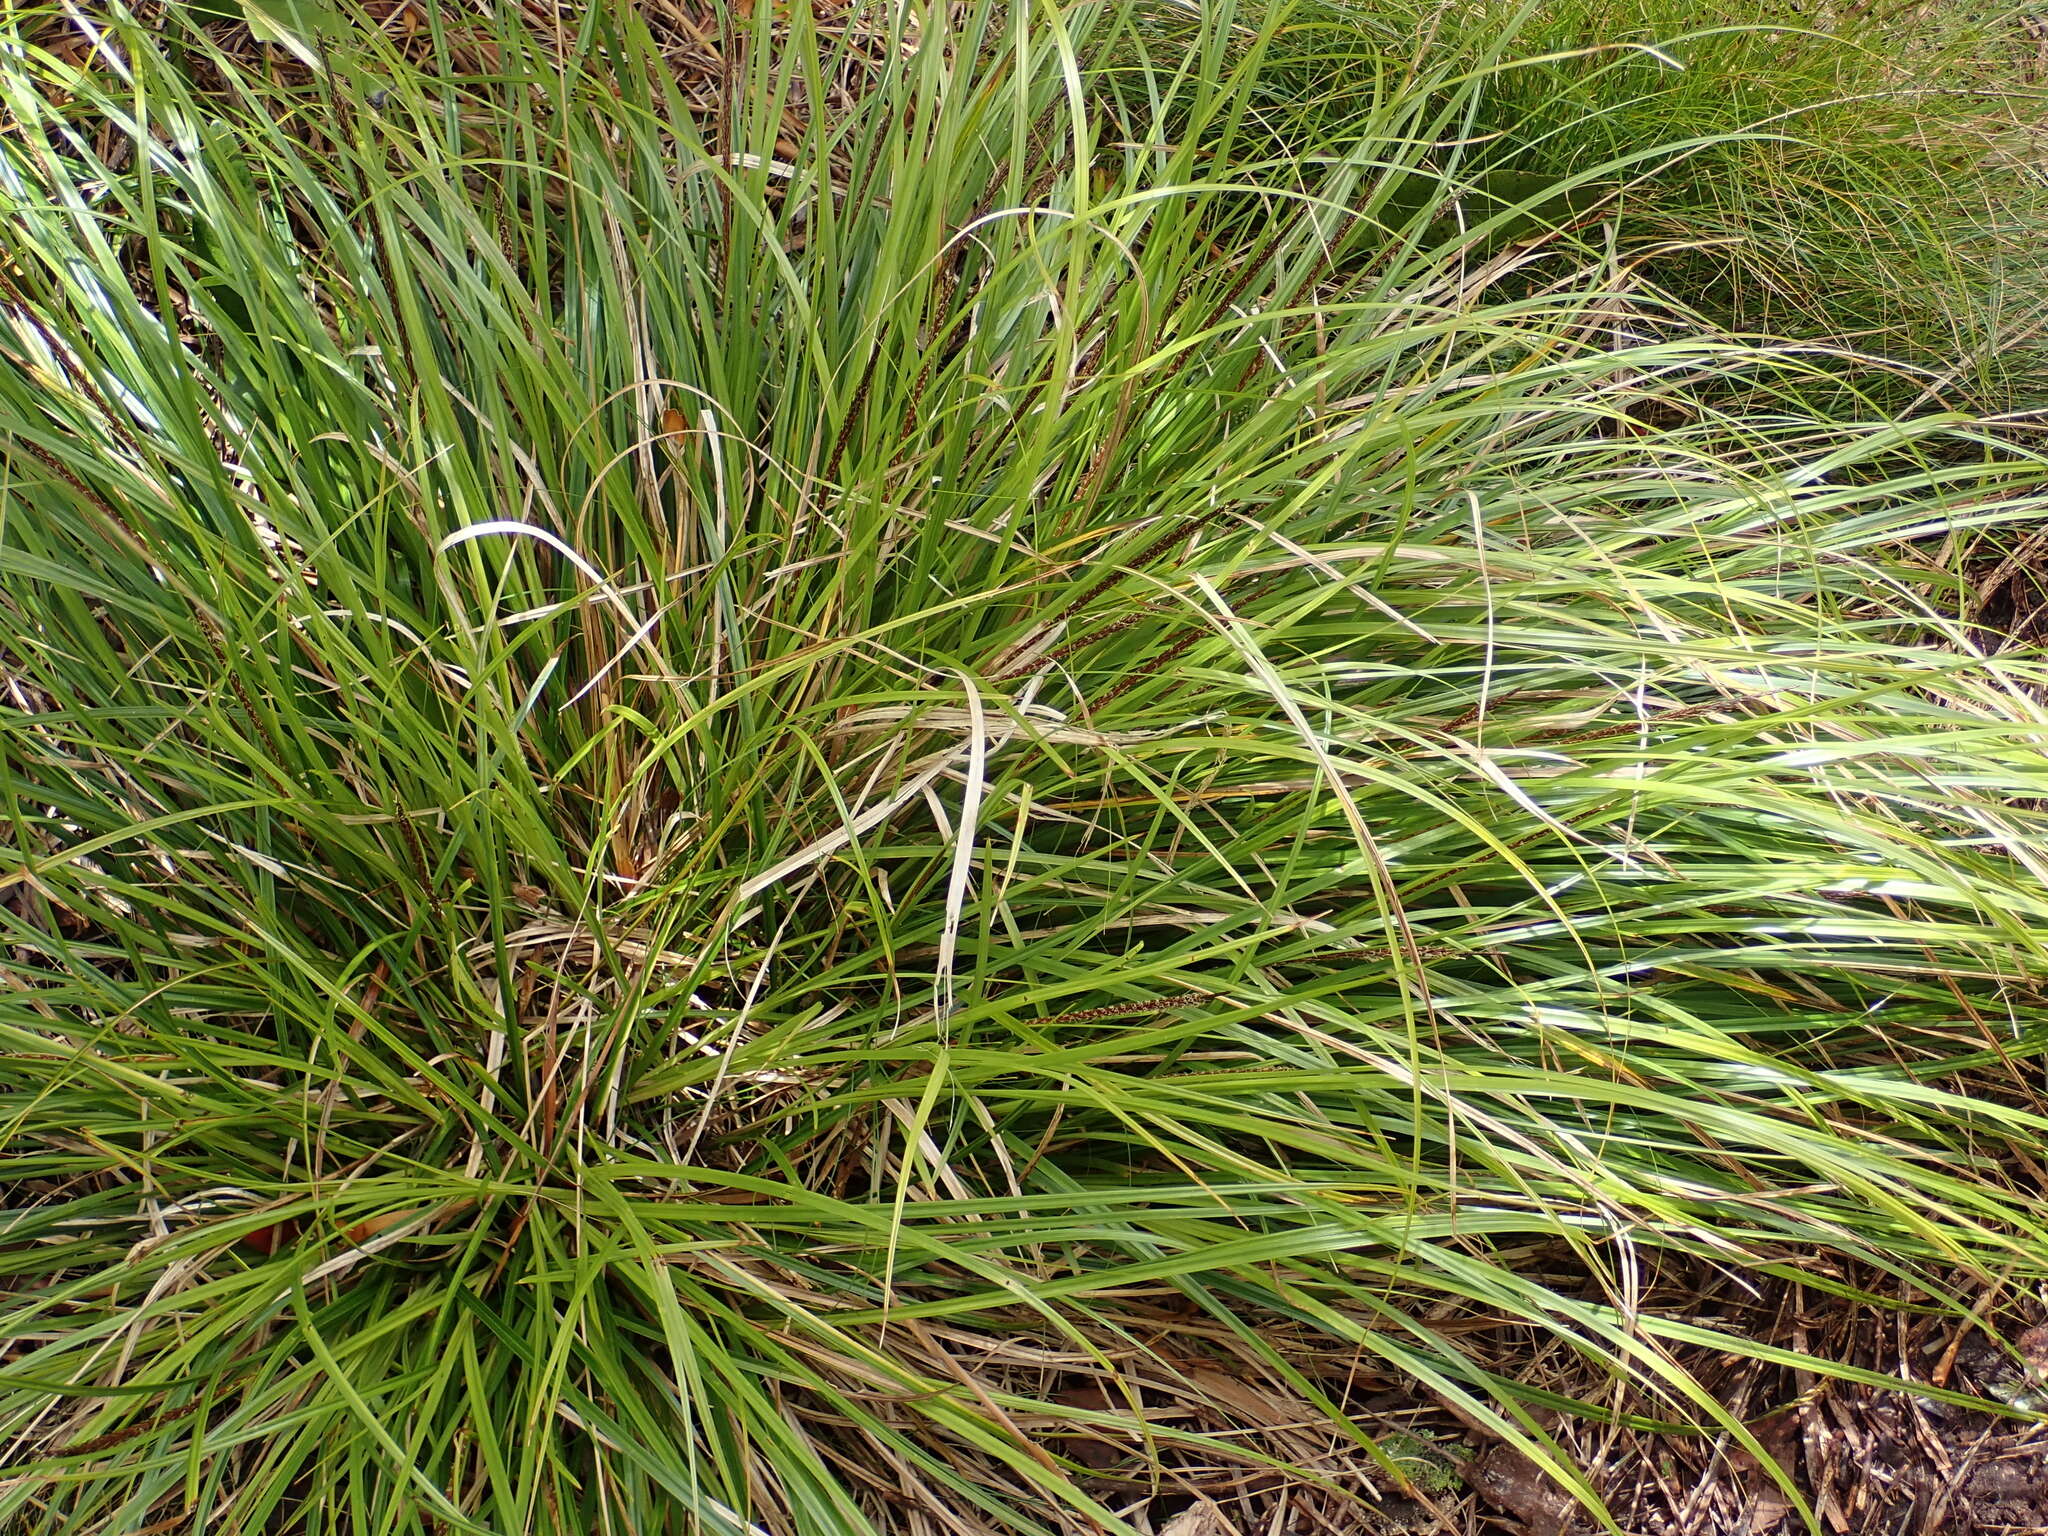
column 945, row 798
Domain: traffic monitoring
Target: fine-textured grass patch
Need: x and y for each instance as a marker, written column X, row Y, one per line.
column 1864, row 176
column 944, row 792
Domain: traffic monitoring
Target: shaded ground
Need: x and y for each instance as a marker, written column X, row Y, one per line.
column 1868, row 1461
column 2009, row 601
